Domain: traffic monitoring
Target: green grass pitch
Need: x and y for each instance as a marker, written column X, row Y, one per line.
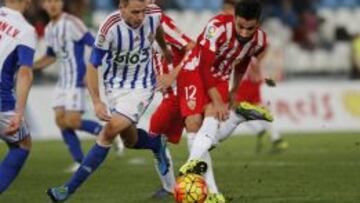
column 319, row 168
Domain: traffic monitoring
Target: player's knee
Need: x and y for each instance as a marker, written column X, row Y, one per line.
column 60, row 122
column 193, row 124
column 73, row 122
column 25, row 143
column 108, row 134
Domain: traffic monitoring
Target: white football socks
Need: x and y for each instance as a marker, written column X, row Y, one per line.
column 209, row 175
column 227, row 127
column 204, row 138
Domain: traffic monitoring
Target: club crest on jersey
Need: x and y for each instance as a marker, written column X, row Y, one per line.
column 191, row 104
column 101, row 40
column 211, row 32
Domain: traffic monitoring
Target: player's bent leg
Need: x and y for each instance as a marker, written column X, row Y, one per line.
column 227, row 128
column 13, row 162
column 195, row 164
column 69, row 136
column 73, row 119
column 93, row 159
column 140, row 139
column 209, row 175
column 60, row 117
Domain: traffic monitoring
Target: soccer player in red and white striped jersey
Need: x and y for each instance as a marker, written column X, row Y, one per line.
column 227, row 43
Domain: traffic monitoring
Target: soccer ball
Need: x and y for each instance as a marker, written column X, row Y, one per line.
column 190, row 188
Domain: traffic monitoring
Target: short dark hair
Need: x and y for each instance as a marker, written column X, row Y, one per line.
column 248, row 9
column 126, row 2
column 231, row 2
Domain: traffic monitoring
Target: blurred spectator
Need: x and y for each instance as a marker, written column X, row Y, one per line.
column 37, row 17
column 104, row 5
column 286, row 12
column 306, row 34
column 197, row 5
column 355, row 70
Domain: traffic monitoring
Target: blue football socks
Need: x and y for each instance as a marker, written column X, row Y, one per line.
column 11, row 166
column 91, row 127
column 145, row 141
column 91, row 162
column 73, row 144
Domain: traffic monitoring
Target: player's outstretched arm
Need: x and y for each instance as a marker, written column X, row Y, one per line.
column 23, row 85
column 44, row 62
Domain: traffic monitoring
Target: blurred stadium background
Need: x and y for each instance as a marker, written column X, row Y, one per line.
column 315, row 57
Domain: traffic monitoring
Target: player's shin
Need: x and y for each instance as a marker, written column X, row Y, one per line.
column 205, row 138
column 209, row 175
column 73, row 143
column 91, row 127
column 91, row 162
column 11, row 166
column 228, row 127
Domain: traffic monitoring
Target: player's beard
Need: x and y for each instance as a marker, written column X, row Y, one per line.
column 243, row 40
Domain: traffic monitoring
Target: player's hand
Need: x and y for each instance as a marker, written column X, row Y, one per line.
column 221, row 110
column 101, row 111
column 270, row 82
column 164, row 82
column 14, row 124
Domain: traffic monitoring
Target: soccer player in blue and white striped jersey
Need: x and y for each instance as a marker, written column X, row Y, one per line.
column 17, row 45
column 124, row 47
column 66, row 37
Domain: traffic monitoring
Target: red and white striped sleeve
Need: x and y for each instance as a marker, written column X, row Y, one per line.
column 173, row 35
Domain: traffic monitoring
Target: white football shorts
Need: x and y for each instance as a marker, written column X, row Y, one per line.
column 131, row 103
column 21, row 134
column 71, row 99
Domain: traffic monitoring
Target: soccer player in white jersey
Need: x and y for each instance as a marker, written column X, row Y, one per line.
column 17, row 45
column 66, row 37
column 125, row 43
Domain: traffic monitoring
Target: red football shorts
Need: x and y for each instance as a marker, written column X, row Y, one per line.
column 249, row 91
column 192, row 94
column 167, row 119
